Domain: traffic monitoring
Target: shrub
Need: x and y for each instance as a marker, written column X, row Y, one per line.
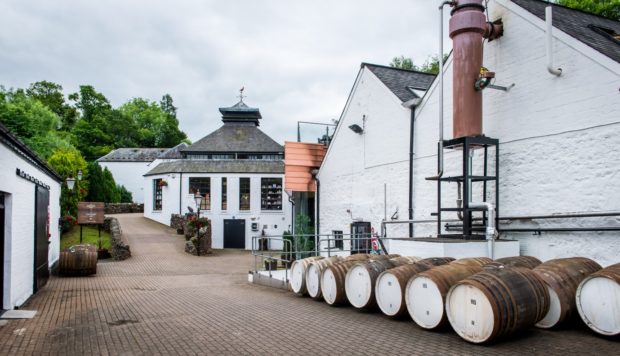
column 67, row 222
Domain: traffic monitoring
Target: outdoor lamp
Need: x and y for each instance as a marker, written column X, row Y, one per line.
column 79, row 175
column 198, row 198
column 70, row 182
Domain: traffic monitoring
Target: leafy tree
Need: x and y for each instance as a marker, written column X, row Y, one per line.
column 167, row 105
column 68, row 162
column 50, row 94
column 607, row 8
column 111, row 194
column 431, row 65
column 90, row 102
column 157, row 124
column 95, row 178
column 125, row 195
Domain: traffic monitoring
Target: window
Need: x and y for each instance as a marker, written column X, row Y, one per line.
column 244, row 193
column 202, row 186
column 271, row 193
column 157, row 196
column 337, row 242
column 224, row 194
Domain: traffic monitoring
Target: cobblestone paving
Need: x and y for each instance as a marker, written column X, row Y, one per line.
column 165, row 302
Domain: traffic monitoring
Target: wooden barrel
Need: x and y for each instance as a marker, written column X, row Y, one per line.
column 298, row 274
column 78, row 260
column 358, row 257
column 390, row 286
column 562, row 277
column 425, row 293
column 437, row 261
column 519, row 261
column 598, row 300
column 361, row 279
column 405, row 260
column 332, row 282
column 313, row 275
column 474, row 261
column 496, row 303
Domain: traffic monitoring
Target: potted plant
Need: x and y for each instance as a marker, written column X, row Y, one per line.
column 163, row 183
column 271, row 264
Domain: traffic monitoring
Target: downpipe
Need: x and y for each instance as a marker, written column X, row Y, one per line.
column 490, row 231
column 549, row 42
column 441, row 85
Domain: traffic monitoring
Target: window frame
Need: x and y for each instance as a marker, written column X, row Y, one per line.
column 206, row 196
column 271, row 196
column 242, row 206
column 224, row 194
column 158, row 194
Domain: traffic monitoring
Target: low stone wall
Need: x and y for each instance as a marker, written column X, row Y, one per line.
column 120, row 250
column 123, row 208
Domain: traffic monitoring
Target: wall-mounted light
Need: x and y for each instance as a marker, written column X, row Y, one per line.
column 356, row 128
column 79, row 175
column 70, row 182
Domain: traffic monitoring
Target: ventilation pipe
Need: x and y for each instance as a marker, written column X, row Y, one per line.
column 490, row 228
column 549, row 43
column 468, row 27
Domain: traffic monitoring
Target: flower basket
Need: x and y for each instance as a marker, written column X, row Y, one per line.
column 163, row 183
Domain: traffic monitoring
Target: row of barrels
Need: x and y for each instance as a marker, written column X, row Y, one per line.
column 480, row 298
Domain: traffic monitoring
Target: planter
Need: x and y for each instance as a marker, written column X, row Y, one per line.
column 103, row 253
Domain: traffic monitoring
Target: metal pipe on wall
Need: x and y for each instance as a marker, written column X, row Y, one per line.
column 490, row 230
column 549, row 42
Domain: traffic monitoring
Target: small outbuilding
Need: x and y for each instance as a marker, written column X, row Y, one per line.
column 29, row 216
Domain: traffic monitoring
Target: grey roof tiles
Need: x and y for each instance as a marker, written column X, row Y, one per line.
column 401, row 81
column 218, row 166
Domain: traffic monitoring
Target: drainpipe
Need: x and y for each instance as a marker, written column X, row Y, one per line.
column 549, row 43
column 411, row 104
column 180, row 190
column 292, row 201
column 317, row 211
column 490, row 231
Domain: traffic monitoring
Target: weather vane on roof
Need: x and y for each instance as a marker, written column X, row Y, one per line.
column 241, row 96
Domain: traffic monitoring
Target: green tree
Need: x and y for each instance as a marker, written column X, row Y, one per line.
column 431, row 65
column 125, row 195
column 68, row 162
column 157, row 124
column 90, row 102
column 50, row 94
column 607, row 8
column 95, row 180
column 111, row 194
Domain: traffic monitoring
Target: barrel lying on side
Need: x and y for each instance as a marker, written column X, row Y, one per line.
column 298, row 274
column 360, row 282
column 426, row 292
column 598, row 300
column 519, row 261
column 78, row 260
column 473, row 261
column 562, row 277
column 496, row 303
column 391, row 284
column 313, row 275
column 333, row 280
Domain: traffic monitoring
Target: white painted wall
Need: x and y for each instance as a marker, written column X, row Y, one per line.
column 276, row 221
column 558, row 139
column 19, row 226
column 130, row 175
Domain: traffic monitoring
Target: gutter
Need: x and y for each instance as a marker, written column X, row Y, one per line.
column 411, row 104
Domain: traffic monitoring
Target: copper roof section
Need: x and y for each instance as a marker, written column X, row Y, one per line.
column 300, row 159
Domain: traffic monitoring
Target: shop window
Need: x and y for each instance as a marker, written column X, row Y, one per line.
column 158, row 193
column 202, row 186
column 271, row 193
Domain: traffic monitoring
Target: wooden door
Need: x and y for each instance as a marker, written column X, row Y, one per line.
column 234, row 233
column 41, row 267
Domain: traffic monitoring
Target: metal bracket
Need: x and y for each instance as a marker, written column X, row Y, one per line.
column 498, row 87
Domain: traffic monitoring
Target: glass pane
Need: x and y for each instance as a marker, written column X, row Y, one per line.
column 202, row 186
column 224, row 194
column 244, row 193
column 271, row 193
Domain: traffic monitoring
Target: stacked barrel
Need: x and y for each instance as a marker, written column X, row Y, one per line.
column 481, row 299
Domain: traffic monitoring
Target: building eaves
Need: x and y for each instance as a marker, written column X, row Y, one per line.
column 401, row 82
column 235, row 138
column 174, row 152
column 20, row 148
column 581, row 25
column 218, row 166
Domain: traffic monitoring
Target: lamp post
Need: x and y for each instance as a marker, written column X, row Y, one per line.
column 198, row 199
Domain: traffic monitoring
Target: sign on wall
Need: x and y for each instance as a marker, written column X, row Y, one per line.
column 90, row 213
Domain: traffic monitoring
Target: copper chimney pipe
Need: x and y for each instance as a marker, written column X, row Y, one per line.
column 468, row 27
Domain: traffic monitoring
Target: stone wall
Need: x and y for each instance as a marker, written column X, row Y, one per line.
column 120, row 250
column 123, row 208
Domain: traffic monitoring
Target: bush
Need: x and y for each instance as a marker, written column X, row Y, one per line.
column 66, row 223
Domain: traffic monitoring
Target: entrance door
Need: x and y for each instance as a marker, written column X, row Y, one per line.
column 1, row 250
column 360, row 237
column 234, row 233
column 41, row 268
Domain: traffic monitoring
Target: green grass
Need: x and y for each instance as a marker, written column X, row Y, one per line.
column 89, row 236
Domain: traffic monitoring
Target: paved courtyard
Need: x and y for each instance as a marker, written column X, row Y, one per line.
column 165, row 302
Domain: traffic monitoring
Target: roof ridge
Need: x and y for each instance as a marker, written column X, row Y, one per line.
column 395, row 68
column 570, row 8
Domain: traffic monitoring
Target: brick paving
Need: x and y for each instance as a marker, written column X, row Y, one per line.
column 165, row 302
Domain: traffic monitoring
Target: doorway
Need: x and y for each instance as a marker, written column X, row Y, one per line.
column 41, row 267
column 234, row 233
column 2, row 219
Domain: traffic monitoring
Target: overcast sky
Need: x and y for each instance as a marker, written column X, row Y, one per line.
column 296, row 59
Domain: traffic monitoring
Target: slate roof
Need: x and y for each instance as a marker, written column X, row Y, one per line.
column 133, row 155
column 174, row 152
column 400, row 80
column 578, row 24
column 17, row 146
column 218, row 166
column 235, row 138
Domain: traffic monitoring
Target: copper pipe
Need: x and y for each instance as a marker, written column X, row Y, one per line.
column 468, row 27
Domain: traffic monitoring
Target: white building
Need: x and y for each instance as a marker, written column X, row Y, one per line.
column 128, row 165
column 558, row 138
column 239, row 171
column 29, row 215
